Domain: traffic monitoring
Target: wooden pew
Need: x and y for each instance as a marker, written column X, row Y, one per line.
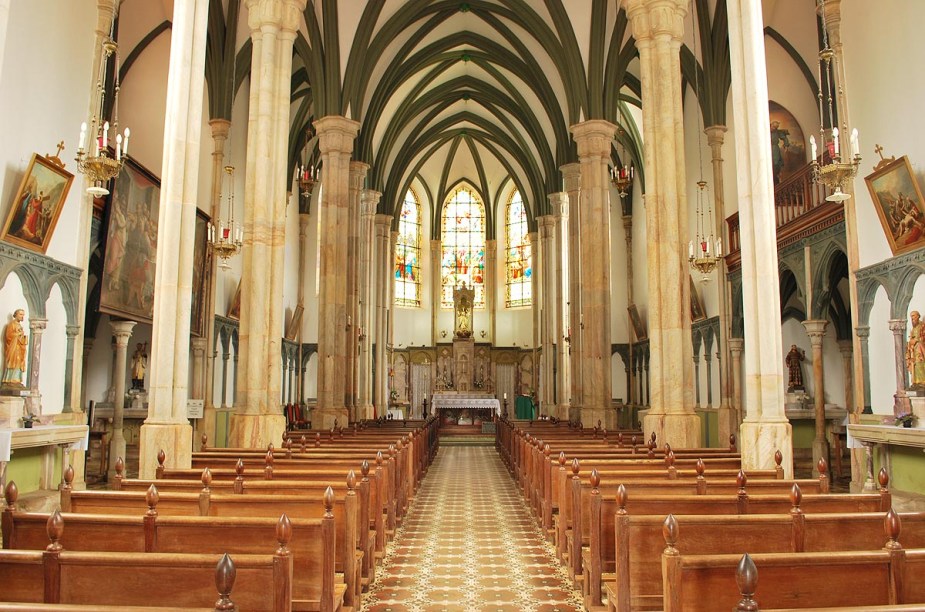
column 53, row 575
column 310, row 541
column 694, row 583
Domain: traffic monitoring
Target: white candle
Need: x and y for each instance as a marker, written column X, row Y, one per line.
column 812, row 146
column 505, row 395
column 105, row 135
column 125, row 142
column 835, row 140
column 118, row 146
column 83, row 136
column 855, row 150
column 690, row 249
column 719, row 247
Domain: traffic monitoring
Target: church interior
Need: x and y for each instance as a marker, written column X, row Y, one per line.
column 461, row 305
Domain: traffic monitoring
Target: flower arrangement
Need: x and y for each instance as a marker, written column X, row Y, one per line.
column 904, row 419
column 393, row 395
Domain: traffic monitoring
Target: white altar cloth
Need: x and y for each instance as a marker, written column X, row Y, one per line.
column 445, row 402
column 74, row 436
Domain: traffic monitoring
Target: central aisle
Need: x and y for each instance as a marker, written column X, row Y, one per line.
column 469, row 543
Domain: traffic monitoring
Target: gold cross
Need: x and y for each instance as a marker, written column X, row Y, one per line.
column 879, row 151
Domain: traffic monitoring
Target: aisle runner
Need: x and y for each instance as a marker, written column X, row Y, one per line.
column 469, row 543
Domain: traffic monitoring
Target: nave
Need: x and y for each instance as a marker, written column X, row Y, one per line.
column 470, row 543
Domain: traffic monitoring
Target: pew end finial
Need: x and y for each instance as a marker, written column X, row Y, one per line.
column 562, row 459
column 329, row 503
column 747, row 580
column 732, row 442
column 670, row 533
column 778, row 464
column 203, row 441
column 796, row 498
column 351, row 483
column 151, row 498
column 364, row 470
column 11, row 494
column 884, row 479
column 225, row 574
column 892, row 525
column 283, row 535
column 621, row 499
column 54, row 527
column 576, row 467
column 206, row 479
column 595, row 481
column 120, row 470
column 69, row 477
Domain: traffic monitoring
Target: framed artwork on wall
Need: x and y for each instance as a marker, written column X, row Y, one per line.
column 234, row 309
column 37, row 205
column 698, row 313
column 898, row 201
column 639, row 329
column 295, row 323
column 202, row 271
column 788, row 149
column 127, row 288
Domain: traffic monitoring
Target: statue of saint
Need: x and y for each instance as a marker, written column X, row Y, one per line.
column 462, row 300
column 915, row 351
column 139, row 365
column 794, row 361
column 15, row 342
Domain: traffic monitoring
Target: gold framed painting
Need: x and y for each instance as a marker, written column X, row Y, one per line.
column 37, row 205
column 898, row 201
column 639, row 328
column 202, row 274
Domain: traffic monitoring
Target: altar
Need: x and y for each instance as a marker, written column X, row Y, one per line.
column 465, row 405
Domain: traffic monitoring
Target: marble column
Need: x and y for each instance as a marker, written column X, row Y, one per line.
column 37, row 327
column 381, row 273
column 121, row 332
column 166, row 427
column 357, row 179
column 369, row 200
column 547, row 276
column 630, row 299
column 220, row 129
column 736, row 347
column 558, row 204
column 105, row 11
column 491, row 284
column 72, row 332
column 594, row 139
column 658, row 26
column 765, row 428
column 901, row 401
column 846, row 348
column 571, row 184
column 198, row 350
column 335, row 140
column 536, row 306
column 815, row 329
column 728, row 420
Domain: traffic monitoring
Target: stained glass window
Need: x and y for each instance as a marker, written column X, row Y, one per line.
column 463, row 236
column 519, row 274
column 408, row 253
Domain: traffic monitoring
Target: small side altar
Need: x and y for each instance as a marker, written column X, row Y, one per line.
column 462, row 407
column 50, row 438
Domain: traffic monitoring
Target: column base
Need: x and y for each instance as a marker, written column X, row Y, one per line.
column 677, row 429
column 759, row 440
column 365, row 412
column 820, row 451
column 325, row 418
column 256, row 430
column 175, row 439
column 12, row 410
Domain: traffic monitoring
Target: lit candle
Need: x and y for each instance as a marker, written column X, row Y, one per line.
column 211, row 232
column 118, row 146
column 855, row 150
column 105, row 135
column 128, row 133
column 505, row 395
column 835, row 140
column 705, row 247
column 83, row 136
column 812, row 146
column 719, row 247
column 690, row 249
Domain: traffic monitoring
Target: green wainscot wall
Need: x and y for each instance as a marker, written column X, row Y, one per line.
column 709, row 428
column 25, row 467
column 804, row 432
column 908, row 473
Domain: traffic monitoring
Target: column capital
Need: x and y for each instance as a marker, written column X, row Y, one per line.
column 862, row 332
column 336, row 134
column 282, row 14
column 384, row 220
column 546, row 222
column 571, row 176
column 897, row 325
column 358, row 169
column 558, row 204
column 37, row 323
column 122, row 331
column 369, row 201
column 736, row 345
column 815, row 329
column 593, row 137
column 198, row 345
column 653, row 18
column 71, row 331
column 846, row 347
column 220, row 128
column 716, row 134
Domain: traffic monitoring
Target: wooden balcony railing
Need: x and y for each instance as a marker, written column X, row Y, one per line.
column 799, row 204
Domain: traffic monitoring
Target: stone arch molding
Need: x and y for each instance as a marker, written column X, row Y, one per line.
column 38, row 274
column 897, row 276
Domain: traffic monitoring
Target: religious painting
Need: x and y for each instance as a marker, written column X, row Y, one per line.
column 127, row 288
column 202, row 271
column 788, row 149
column 234, row 309
column 295, row 323
column 639, row 329
column 898, row 201
column 698, row 313
column 37, row 204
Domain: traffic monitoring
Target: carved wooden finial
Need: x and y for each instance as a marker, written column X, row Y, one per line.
column 822, row 466
column 69, row 477
column 547, row 450
column 669, row 459
column 120, row 468
column 225, row 574
column 562, row 459
column 619, row 439
column 700, row 468
column 379, row 458
column 595, row 480
column 670, row 533
column 206, row 478
column 732, row 441
column 576, row 467
column 54, row 527
column 351, row 483
column 329, row 503
column 283, row 534
column 741, row 480
column 239, row 469
column 778, row 458
column 302, row 442
column 161, row 458
column 796, row 498
column 287, row 445
column 604, row 434
column 883, row 478
column 652, row 437
column 667, row 448
column 11, row 494
column 633, row 442
column 747, row 579
column 364, row 469
column 621, row 499
column 203, row 441
column 151, row 498
column 892, row 526
column 269, row 460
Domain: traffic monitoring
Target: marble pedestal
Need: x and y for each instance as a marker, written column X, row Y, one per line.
column 758, row 441
column 257, row 430
column 175, row 439
column 323, row 419
column 12, row 409
column 678, row 429
column 917, row 402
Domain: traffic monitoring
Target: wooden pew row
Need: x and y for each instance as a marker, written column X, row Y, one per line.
column 594, row 523
column 310, row 541
column 124, row 579
column 890, row 576
column 636, row 582
column 349, row 558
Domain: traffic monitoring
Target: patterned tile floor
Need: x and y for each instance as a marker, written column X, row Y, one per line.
column 469, row 543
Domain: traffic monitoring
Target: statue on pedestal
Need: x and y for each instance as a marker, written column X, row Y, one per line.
column 915, row 351
column 462, row 306
column 139, row 366
column 794, row 362
column 15, row 343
